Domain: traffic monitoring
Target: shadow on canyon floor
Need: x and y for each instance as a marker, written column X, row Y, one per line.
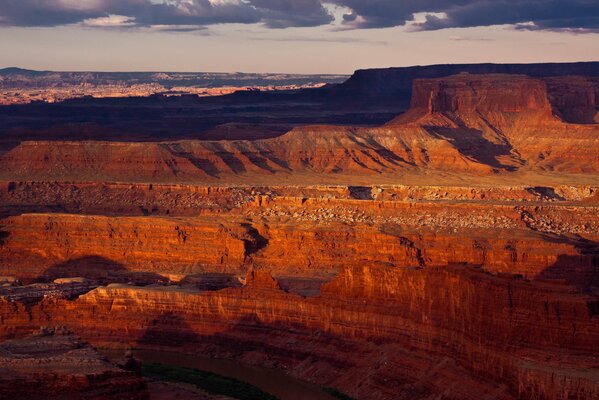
column 245, row 334
column 233, row 353
column 100, row 269
column 295, row 347
column 10, row 210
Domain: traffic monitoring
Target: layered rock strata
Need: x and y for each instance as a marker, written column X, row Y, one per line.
column 476, row 124
column 156, row 249
column 63, row 367
column 373, row 332
column 472, row 288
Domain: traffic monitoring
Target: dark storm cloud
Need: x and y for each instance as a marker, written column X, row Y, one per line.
column 576, row 15
column 142, row 12
column 285, row 13
column 560, row 15
column 272, row 13
column 533, row 14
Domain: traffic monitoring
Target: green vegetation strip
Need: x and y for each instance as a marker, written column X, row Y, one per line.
column 207, row 381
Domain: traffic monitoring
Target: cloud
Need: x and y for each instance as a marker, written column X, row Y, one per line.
column 286, row 13
column 145, row 13
column 109, row 22
column 566, row 15
column 320, row 39
column 577, row 16
column 460, row 38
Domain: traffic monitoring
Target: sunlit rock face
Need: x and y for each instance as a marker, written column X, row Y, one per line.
column 475, row 124
column 451, row 253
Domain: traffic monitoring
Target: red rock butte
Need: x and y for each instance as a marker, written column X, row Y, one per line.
column 451, row 253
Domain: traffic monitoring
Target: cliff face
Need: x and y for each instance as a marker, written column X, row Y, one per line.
column 486, row 93
column 527, row 335
column 504, row 121
column 156, row 249
column 476, row 124
column 575, row 99
column 396, row 83
column 53, row 246
column 101, row 198
column 62, row 366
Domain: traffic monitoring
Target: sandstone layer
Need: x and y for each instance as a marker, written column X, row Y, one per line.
column 63, row 367
column 475, row 124
column 413, row 330
column 420, row 294
column 455, row 257
column 306, row 237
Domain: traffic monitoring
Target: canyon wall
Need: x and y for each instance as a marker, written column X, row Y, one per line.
column 312, row 239
column 396, row 83
column 537, row 338
column 62, row 366
column 435, row 265
column 475, row 124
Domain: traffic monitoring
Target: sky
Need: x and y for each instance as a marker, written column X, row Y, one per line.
column 292, row 36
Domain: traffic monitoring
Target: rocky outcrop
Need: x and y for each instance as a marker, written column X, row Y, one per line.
column 187, row 200
column 405, row 332
column 395, row 84
column 575, row 99
column 315, row 239
column 467, row 94
column 137, row 249
column 479, row 124
column 63, row 288
column 503, row 121
column 60, row 367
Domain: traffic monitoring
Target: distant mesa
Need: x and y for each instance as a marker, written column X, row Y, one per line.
column 412, row 233
column 477, row 124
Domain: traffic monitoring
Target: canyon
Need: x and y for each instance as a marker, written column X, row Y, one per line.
column 22, row 86
column 465, row 123
column 449, row 252
column 56, row 364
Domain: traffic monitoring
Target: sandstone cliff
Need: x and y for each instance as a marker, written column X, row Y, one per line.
column 63, row 367
column 395, row 84
column 156, row 249
column 477, row 124
column 375, row 332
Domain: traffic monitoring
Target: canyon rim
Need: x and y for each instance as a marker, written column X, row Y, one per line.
column 416, row 232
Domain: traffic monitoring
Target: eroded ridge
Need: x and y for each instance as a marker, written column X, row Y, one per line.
column 473, row 124
column 452, row 253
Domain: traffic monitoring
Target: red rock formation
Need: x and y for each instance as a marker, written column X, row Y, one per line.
column 104, row 247
column 504, row 121
column 177, row 200
column 386, row 291
column 150, row 249
column 526, row 335
column 470, row 123
column 575, row 99
column 63, row 367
